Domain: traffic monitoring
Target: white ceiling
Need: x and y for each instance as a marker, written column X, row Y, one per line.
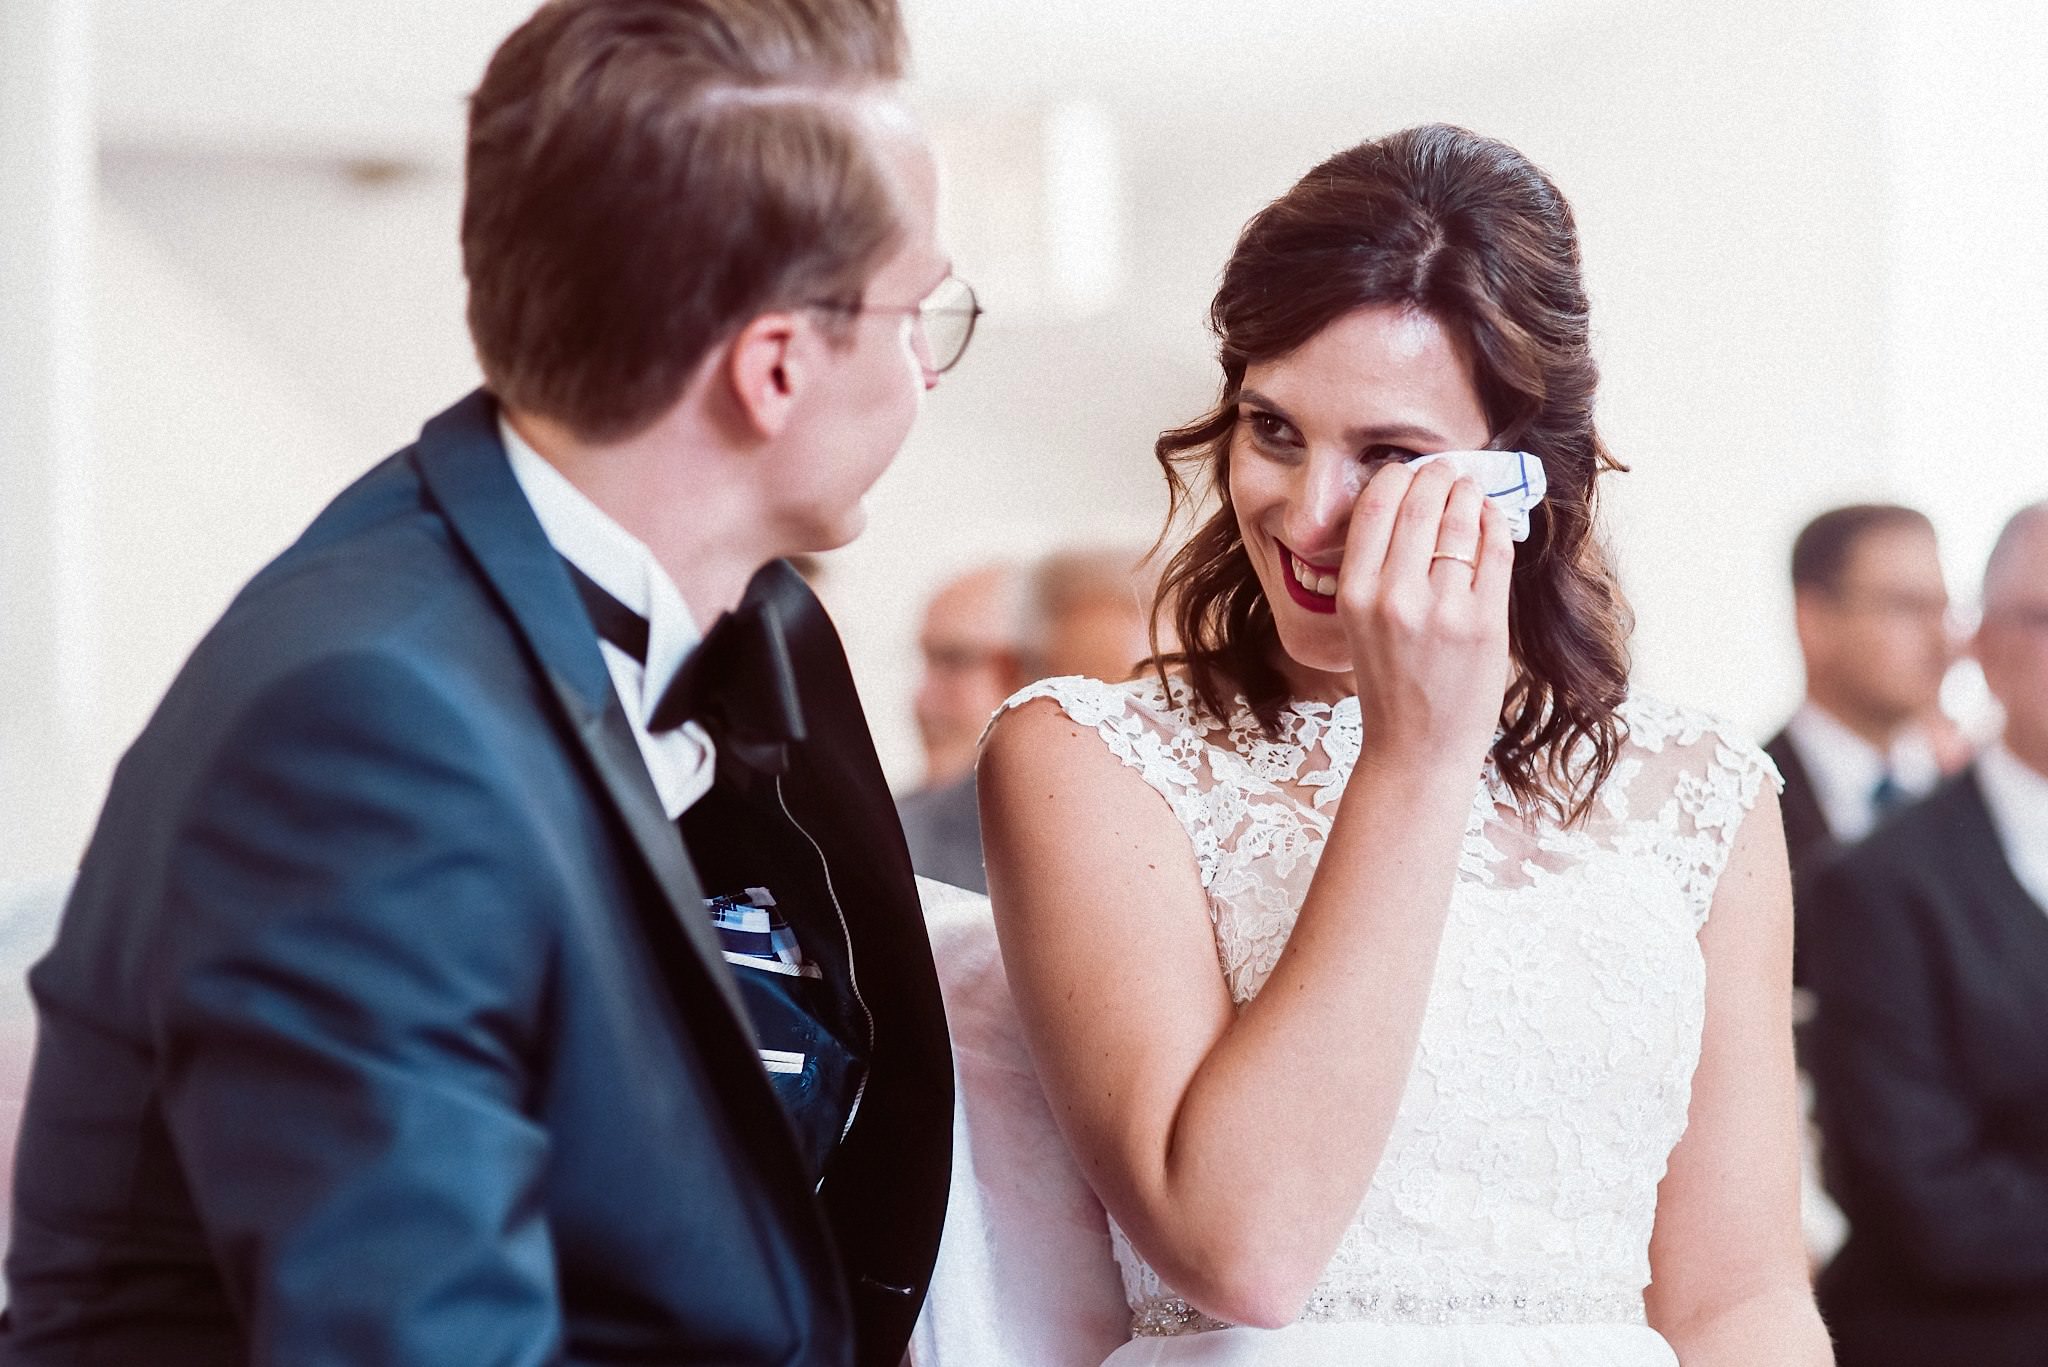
column 386, row 78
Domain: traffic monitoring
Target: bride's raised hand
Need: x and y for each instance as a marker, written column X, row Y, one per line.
column 1423, row 597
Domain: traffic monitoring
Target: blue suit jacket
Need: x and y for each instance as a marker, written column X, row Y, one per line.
column 385, row 1024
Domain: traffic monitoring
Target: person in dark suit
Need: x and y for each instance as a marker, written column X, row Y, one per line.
column 1871, row 609
column 1929, row 1047
column 987, row 634
column 392, row 1019
column 971, row 647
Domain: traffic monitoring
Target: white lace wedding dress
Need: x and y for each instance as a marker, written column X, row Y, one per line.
column 1509, row 1222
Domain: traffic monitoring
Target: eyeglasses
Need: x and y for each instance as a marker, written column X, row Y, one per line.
column 1895, row 606
column 945, row 319
column 2026, row 617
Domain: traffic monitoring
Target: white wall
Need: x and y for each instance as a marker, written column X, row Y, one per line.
column 213, row 456
column 1966, row 268
column 346, row 276
column 49, row 621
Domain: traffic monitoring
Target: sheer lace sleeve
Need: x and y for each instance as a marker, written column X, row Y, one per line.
column 1708, row 775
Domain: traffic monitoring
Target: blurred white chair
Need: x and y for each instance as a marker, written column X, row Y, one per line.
column 1820, row 1219
column 28, row 923
column 1025, row 1276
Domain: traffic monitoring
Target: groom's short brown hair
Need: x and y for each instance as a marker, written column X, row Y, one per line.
column 644, row 176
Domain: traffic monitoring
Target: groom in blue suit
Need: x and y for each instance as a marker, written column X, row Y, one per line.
column 499, row 947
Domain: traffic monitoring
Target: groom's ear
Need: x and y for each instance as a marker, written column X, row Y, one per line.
column 767, row 365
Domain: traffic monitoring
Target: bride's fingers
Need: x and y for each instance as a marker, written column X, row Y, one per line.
column 1418, row 523
column 1496, row 555
column 1454, row 559
column 1372, row 525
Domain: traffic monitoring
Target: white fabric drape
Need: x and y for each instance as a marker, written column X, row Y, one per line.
column 1025, row 1275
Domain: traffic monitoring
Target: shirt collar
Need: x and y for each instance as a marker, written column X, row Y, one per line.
column 2017, row 795
column 1844, row 768
column 619, row 562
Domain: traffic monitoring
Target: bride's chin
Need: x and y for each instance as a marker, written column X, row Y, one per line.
column 1315, row 656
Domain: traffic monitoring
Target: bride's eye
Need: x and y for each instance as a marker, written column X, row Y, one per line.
column 1382, row 455
column 1267, row 429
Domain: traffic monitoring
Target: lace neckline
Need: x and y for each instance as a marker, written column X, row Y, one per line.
column 1311, row 707
column 1307, row 725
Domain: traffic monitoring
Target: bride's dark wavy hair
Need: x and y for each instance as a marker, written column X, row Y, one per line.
column 1469, row 231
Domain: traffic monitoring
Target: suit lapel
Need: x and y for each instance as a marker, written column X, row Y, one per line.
column 1806, row 826
column 887, row 1185
column 463, row 465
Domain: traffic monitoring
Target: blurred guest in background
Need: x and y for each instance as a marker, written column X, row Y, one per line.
column 986, row 634
column 1086, row 614
column 972, row 649
column 1929, row 1049
column 1872, row 614
column 972, row 646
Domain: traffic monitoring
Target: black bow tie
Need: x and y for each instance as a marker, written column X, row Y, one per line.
column 738, row 683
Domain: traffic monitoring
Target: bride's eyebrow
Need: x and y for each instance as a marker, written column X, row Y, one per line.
column 1378, row 434
column 1257, row 400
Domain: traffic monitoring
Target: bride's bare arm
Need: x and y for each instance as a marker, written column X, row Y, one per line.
column 1727, row 1262
column 1235, row 1146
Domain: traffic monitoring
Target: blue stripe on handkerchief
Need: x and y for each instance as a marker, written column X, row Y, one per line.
column 1519, row 475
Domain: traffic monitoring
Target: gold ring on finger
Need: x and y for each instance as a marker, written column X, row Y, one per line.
column 1469, row 562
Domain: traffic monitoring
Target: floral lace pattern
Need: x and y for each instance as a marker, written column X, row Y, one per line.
column 1555, row 1064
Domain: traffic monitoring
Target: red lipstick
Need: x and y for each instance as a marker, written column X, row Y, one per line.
column 1308, row 598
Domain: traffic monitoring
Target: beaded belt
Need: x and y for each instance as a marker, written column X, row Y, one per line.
column 1170, row 1316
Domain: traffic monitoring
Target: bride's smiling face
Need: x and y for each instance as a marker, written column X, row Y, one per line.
column 1379, row 384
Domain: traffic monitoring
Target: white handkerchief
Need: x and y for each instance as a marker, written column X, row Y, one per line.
column 1512, row 479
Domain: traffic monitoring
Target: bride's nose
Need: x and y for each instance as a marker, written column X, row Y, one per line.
column 1320, row 514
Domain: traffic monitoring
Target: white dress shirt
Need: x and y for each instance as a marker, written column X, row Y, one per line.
column 2017, row 795
column 681, row 762
column 1845, row 768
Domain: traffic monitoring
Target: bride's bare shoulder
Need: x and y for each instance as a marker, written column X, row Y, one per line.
column 1078, row 793
column 1079, row 744
column 1052, row 726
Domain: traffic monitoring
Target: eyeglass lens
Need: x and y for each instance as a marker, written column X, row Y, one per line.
column 948, row 321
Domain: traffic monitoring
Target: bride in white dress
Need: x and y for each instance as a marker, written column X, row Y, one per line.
column 1409, row 991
